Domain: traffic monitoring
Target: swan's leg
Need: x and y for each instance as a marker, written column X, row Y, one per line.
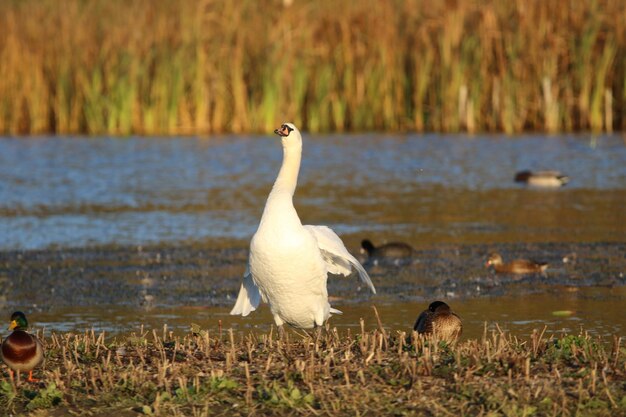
column 278, row 320
column 320, row 316
column 280, row 325
column 314, row 334
column 318, row 333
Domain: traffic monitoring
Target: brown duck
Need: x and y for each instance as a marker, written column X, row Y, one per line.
column 439, row 321
column 517, row 266
column 21, row 351
column 392, row 250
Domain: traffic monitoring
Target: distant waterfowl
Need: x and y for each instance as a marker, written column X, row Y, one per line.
column 517, row 266
column 21, row 351
column 542, row 178
column 570, row 258
column 439, row 321
column 289, row 263
column 392, row 250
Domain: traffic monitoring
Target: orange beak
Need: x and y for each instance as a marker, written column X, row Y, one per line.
column 283, row 131
column 13, row 325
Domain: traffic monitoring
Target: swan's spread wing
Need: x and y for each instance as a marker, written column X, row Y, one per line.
column 338, row 259
column 249, row 296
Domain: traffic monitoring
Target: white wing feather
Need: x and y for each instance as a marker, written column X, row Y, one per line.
column 338, row 260
column 249, row 296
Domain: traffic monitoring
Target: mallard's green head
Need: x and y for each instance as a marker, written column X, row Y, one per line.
column 18, row 321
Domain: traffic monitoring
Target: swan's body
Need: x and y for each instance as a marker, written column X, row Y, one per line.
column 289, row 263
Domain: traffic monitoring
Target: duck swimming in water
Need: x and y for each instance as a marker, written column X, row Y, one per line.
column 389, row 251
column 542, row 178
column 516, row 266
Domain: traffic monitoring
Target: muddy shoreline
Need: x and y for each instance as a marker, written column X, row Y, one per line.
column 205, row 275
column 529, row 361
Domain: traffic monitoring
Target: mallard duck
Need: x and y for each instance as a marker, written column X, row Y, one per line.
column 392, row 250
column 517, row 266
column 439, row 321
column 289, row 262
column 21, row 351
column 542, row 178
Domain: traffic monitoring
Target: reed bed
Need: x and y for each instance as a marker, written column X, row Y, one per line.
column 379, row 372
column 208, row 66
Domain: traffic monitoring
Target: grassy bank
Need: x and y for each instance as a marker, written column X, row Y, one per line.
column 379, row 372
column 201, row 66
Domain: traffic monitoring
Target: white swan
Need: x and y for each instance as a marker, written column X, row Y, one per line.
column 289, row 263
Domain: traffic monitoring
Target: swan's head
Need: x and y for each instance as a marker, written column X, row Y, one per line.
column 289, row 134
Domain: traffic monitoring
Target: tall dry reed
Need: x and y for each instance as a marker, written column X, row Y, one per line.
column 201, row 66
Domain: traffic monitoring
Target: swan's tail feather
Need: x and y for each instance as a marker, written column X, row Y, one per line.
column 363, row 275
column 248, row 299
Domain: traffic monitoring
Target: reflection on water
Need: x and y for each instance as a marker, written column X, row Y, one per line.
column 598, row 310
column 177, row 214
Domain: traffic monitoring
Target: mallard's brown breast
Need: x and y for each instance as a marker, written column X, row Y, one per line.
column 21, row 351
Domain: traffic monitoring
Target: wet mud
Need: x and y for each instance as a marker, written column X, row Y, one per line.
column 109, row 286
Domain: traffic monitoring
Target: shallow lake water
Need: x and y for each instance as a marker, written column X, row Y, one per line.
column 111, row 233
column 565, row 313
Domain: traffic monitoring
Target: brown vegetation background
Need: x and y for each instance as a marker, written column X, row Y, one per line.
column 204, row 66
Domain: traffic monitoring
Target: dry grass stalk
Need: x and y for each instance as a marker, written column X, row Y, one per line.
column 371, row 372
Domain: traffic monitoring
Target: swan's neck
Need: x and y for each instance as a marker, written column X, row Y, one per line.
column 279, row 213
column 288, row 175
